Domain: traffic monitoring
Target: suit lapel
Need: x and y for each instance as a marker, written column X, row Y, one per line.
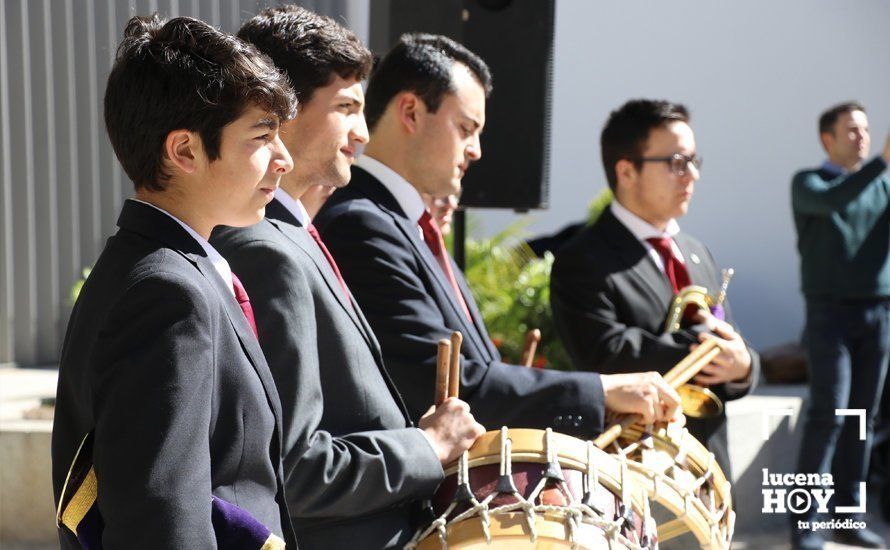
column 291, row 228
column 369, row 186
column 699, row 274
column 298, row 234
column 411, row 231
column 636, row 258
column 154, row 224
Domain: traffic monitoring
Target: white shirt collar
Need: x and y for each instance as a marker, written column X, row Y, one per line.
column 219, row 263
column 294, row 206
column 406, row 195
column 642, row 230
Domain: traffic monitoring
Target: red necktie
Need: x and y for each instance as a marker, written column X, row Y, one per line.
column 244, row 302
column 673, row 267
column 434, row 240
column 327, row 255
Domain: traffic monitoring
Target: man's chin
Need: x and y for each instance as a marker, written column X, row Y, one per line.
column 342, row 177
column 249, row 218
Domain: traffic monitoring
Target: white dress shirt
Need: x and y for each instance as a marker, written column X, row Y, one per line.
column 219, row 263
column 642, row 230
column 294, row 206
column 406, row 195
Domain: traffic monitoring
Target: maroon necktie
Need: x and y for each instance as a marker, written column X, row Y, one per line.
column 327, row 255
column 673, row 267
column 244, row 303
column 433, row 237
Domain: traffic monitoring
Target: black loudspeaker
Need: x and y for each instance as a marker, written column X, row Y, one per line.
column 515, row 38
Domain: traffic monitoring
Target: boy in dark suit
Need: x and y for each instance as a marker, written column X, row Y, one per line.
column 161, row 364
column 356, row 465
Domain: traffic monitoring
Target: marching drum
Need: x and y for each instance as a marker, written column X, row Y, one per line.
column 682, row 476
column 525, row 488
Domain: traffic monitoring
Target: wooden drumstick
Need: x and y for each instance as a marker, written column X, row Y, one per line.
column 532, row 338
column 454, row 374
column 681, row 373
column 611, row 434
column 443, row 358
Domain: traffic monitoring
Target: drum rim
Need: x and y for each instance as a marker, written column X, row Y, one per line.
column 674, row 498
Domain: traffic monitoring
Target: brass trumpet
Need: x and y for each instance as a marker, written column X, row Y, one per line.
column 697, row 402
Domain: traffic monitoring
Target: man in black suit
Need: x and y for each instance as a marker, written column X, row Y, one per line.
column 355, row 464
column 160, row 363
column 426, row 109
column 613, row 283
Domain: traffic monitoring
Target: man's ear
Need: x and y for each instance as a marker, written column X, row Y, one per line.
column 183, row 150
column 826, row 139
column 625, row 173
column 408, row 107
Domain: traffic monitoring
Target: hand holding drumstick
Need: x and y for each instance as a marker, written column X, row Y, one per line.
column 658, row 401
column 449, row 425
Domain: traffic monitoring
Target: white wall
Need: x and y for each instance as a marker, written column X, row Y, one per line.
column 755, row 74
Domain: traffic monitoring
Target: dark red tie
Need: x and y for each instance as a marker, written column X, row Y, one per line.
column 673, row 267
column 244, row 302
column 327, row 255
column 433, row 237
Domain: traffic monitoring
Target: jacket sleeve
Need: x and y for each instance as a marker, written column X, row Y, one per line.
column 385, row 276
column 810, row 194
column 325, row 475
column 587, row 318
column 153, row 380
column 591, row 326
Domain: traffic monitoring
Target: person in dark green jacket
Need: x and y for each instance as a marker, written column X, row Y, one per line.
column 842, row 217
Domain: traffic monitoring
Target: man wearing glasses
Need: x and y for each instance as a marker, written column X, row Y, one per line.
column 612, row 285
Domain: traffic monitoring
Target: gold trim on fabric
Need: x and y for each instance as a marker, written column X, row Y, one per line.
column 81, row 502
column 274, row 542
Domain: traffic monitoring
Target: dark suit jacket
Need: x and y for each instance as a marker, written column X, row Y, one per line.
column 353, row 461
column 610, row 303
column 410, row 305
column 159, row 360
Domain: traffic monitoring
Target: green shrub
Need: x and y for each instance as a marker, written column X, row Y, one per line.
column 512, row 288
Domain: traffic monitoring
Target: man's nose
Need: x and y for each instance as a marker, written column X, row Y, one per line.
column 474, row 149
column 281, row 159
column 359, row 132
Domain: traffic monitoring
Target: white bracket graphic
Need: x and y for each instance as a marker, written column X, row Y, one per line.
column 860, row 509
column 854, row 412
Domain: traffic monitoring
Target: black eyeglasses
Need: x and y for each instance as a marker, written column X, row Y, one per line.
column 679, row 163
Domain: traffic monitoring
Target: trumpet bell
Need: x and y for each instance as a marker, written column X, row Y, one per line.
column 699, row 402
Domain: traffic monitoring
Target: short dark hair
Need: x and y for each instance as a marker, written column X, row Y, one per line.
column 183, row 74
column 420, row 63
column 310, row 48
column 627, row 130
column 828, row 119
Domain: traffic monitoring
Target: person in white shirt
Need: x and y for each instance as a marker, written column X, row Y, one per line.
column 612, row 284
